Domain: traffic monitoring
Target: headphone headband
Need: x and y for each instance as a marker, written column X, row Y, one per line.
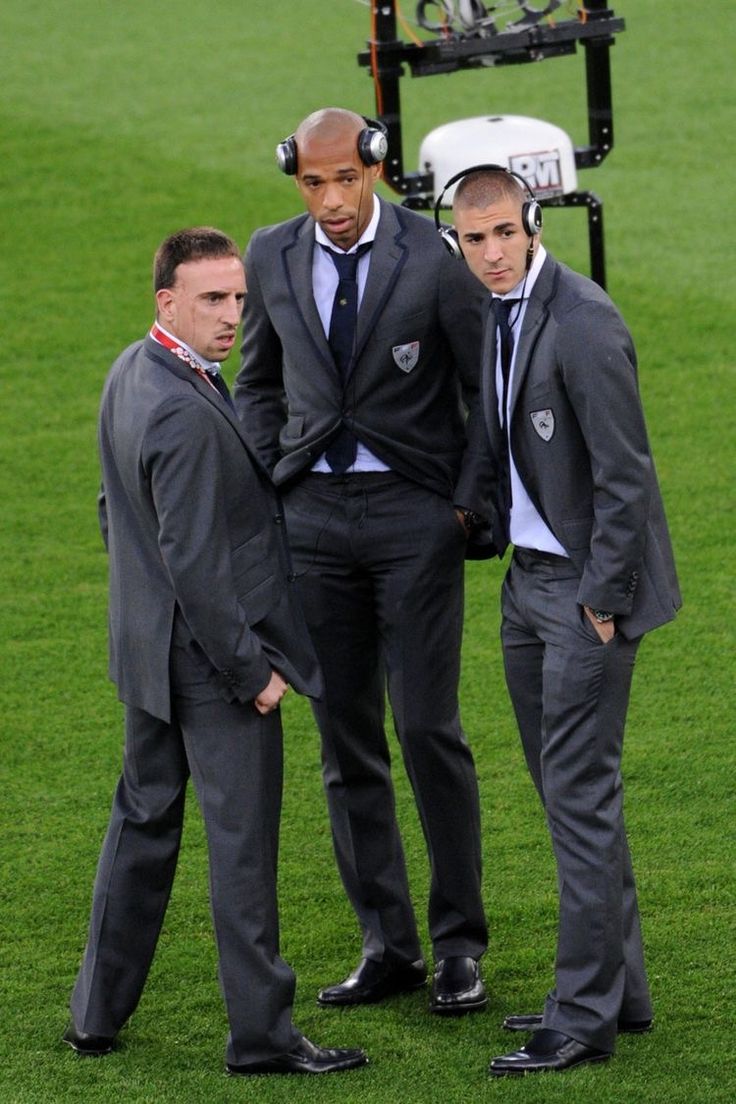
column 372, row 147
column 531, row 212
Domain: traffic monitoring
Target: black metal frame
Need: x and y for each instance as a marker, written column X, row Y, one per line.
column 594, row 29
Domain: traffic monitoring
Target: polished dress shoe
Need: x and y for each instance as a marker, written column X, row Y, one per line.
column 533, row 1020
column 546, row 1052
column 92, row 1046
column 306, row 1057
column 457, row 987
column 373, row 981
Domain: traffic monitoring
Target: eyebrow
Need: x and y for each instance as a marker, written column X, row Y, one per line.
column 340, row 172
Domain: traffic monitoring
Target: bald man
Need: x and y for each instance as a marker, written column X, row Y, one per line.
column 359, row 368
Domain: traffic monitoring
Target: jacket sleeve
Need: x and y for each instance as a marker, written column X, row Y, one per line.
column 598, row 365
column 181, row 460
column 258, row 392
column 463, row 302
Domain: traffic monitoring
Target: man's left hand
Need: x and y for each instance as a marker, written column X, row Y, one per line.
column 606, row 629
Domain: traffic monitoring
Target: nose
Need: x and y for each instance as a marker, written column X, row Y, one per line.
column 492, row 251
column 232, row 310
column 333, row 197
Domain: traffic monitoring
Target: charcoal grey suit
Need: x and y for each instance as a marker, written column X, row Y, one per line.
column 580, row 446
column 379, row 555
column 200, row 614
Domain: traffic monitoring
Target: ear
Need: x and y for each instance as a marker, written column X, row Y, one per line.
column 165, row 299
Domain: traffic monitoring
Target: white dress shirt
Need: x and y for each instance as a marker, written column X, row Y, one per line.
column 324, row 285
column 527, row 529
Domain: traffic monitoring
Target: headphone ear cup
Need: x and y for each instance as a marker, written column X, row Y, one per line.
column 372, row 146
column 286, row 156
column 531, row 217
column 450, row 240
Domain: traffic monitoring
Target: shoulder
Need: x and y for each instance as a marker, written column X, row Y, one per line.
column 567, row 288
column 410, row 224
column 277, row 235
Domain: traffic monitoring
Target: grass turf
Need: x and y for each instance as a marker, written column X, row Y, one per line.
column 122, row 122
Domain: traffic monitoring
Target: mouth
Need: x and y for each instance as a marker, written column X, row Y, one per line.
column 226, row 339
column 337, row 225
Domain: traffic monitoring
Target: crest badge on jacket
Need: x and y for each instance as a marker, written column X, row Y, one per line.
column 406, row 356
column 544, row 423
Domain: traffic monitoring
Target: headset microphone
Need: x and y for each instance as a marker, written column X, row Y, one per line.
column 531, row 212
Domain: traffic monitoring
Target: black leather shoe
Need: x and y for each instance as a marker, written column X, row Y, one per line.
column 92, row 1046
column 546, row 1052
column 373, row 981
column 533, row 1020
column 457, row 987
column 306, row 1057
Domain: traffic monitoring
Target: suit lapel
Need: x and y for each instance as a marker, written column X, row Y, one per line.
column 388, row 256
column 296, row 259
column 206, row 390
column 534, row 317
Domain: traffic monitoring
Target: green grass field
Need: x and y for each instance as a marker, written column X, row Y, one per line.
column 121, row 122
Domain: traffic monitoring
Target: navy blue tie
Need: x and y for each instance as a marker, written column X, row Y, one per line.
column 342, row 451
column 222, row 387
column 502, row 309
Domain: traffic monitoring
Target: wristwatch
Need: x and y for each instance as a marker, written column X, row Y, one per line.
column 602, row 616
column 471, row 519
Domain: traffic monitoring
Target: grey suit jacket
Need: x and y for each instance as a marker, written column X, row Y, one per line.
column 191, row 521
column 411, row 415
column 580, row 446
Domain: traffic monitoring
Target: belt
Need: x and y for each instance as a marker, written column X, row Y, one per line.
column 528, row 557
column 375, row 477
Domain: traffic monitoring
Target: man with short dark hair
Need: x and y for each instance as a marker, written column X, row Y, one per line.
column 571, row 476
column 206, row 636
column 360, row 358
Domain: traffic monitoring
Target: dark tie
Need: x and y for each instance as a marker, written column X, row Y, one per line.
column 502, row 309
column 222, row 387
column 341, row 337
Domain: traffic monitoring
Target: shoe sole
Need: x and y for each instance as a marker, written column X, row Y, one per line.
column 87, row 1053
column 354, row 1063
column 355, row 1002
column 547, row 1069
column 458, row 1009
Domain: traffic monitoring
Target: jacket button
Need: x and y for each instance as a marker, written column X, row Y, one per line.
column 278, row 519
column 291, row 577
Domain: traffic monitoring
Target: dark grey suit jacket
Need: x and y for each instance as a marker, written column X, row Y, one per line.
column 580, row 445
column 288, row 391
column 191, row 520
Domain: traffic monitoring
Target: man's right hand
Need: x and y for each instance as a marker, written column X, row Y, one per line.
column 272, row 693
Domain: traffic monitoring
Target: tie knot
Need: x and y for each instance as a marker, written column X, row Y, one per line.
column 347, row 263
column 502, row 309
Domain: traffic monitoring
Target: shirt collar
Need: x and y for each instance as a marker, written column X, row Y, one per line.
column 524, row 287
column 368, row 234
column 211, row 366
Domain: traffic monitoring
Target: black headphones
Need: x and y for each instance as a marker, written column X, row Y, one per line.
column 531, row 212
column 372, row 147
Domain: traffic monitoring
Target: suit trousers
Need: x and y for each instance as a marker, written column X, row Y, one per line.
column 380, row 564
column 234, row 756
column 570, row 693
